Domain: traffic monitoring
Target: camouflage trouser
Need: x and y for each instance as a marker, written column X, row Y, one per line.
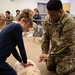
column 62, row 65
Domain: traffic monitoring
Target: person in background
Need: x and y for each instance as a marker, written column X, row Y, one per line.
column 2, row 21
column 17, row 12
column 9, row 18
column 10, row 37
column 58, row 47
column 37, row 16
column 67, row 11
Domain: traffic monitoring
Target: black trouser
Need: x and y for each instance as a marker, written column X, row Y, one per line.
column 6, row 69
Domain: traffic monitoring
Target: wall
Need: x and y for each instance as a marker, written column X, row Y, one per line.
column 18, row 4
column 72, row 5
column 21, row 4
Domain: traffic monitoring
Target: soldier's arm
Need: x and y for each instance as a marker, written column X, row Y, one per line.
column 65, row 39
column 46, row 39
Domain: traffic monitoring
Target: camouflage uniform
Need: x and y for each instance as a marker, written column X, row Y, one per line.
column 9, row 20
column 62, row 52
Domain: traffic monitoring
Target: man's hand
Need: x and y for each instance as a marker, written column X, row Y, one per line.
column 43, row 57
column 27, row 64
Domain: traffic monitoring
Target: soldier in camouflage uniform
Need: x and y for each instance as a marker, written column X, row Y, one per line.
column 9, row 18
column 59, row 32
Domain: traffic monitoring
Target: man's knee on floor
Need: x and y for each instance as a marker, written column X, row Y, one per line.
column 63, row 69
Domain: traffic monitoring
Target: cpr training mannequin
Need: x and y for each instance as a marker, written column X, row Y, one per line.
column 30, row 70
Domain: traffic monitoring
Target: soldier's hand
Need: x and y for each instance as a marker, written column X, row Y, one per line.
column 43, row 57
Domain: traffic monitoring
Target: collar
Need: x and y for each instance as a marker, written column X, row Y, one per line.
column 15, row 21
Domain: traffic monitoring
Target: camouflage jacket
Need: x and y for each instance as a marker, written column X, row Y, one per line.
column 9, row 20
column 59, row 34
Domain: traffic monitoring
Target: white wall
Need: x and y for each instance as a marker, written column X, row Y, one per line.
column 21, row 4
column 72, row 6
column 18, row 4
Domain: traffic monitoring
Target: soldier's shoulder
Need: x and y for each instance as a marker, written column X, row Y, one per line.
column 67, row 18
column 47, row 20
column 46, row 17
